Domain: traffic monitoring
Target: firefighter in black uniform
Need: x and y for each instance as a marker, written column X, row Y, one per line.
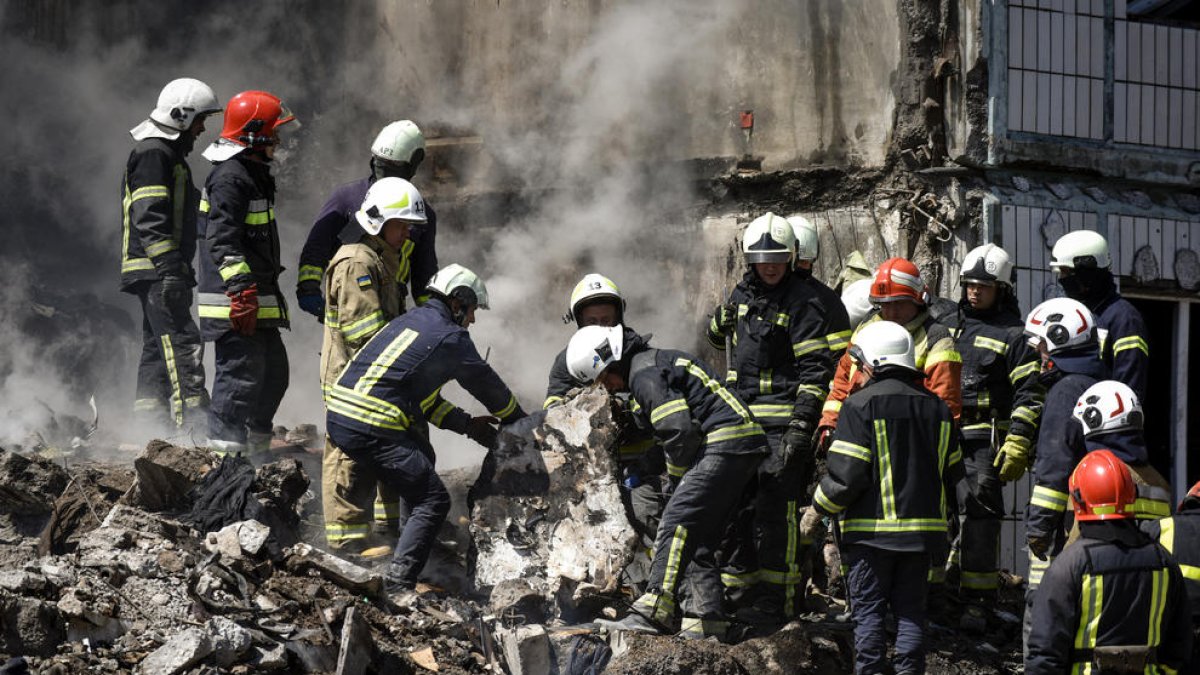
column 709, row 438
column 159, row 202
column 1114, row 601
column 1180, row 535
column 808, row 249
column 241, row 305
column 781, row 366
column 893, row 468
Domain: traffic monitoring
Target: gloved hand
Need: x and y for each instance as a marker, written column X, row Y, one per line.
column 243, row 309
column 798, row 439
column 1013, row 457
column 810, row 523
column 823, row 440
column 1039, row 544
column 726, row 317
column 308, row 296
column 176, row 291
column 480, row 430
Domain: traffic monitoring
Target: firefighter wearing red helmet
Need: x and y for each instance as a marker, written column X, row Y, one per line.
column 241, row 306
column 1180, row 535
column 1114, row 601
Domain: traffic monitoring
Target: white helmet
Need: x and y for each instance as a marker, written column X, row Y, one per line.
column 400, row 142
column 1063, row 323
column 857, row 299
column 988, row 265
column 1081, row 248
column 884, row 343
column 389, row 199
column 593, row 287
column 456, row 281
column 179, row 104
column 592, row 349
column 808, row 244
column 1108, row 406
column 769, row 239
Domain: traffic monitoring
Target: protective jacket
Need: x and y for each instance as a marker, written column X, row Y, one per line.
column 838, row 319
column 1113, row 587
column 893, row 466
column 158, row 208
column 781, row 362
column 417, row 259
column 936, row 356
column 1123, row 345
column 691, row 413
column 1180, row 535
column 361, row 298
column 239, row 244
column 394, row 382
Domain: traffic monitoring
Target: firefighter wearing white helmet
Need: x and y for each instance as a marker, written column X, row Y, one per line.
column 808, row 248
column 781, row 365
column 595, row 301
column 856, row 298
column 159, row 203
column 397, row 151
column 361, row 298
column 1082, row 261
column 379, row 408
column 707, row 433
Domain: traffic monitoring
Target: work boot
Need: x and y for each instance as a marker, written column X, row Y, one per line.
column 401, row 596
column 363, row 548
column 974, row 619
column 633, row 622
column 693, row 628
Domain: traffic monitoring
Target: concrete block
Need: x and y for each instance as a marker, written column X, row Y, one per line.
column 178, row 654
column 303, row 557
column 229, row 640
column 165, row 475
column 526, row 649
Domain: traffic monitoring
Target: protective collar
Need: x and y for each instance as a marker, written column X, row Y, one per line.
column 221, row 150
column 151, row 129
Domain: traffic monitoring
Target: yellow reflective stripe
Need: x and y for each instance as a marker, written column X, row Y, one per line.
column 825, row 503
column 779, row 578
column 739, row 580
column 1190, row 572
column 812, row 390
column 136, row 265
column 439, row 413
column 340, row 532
column 839, row 340
column 984, row 400
column 508, row 409
column 431, row 399
column 1027, row 415
column 168, row 352
column 942, row 355
column 1023, row 371
column 887, row 490
column 764, row 383
column 310, row 273
column 204, row 206
column 1131, row 342
column 386, row 511
column 232, row 268
column 260, row 217
column 385, row 360
column 1166, row 534
column 831, row 406
column 143, row 404
column 667, row 409
column 809, row 346
column 551, row 400
column 1037, row 568
column 943, row 451
column 977, row 427
column 148, row 192
column 676, row 470
column 742, row 430
column 222, row 312
column 376, row 409
column 674, row 558
column 762, row 410
column 160, row 247
column 1048, row 498
column 894, row 525
column 851, row 450
column 781, row 319
column 1091, row 604
column 1159, row 585
column 714, row 386
column 979, row 581
column 331, row 317
column 1151, row 509
column 990, row 344
column 405, row 268
column 364, row 326
column 794, row 578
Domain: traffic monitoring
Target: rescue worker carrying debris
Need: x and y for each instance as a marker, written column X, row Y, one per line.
column 159, row 202
column 1180, row 535
column 892, row 471
column 241, row 305
column 380, row 406
column 596, row 301
column 1081, row 260
column 1002, row 403
column 808, row 249
column 361, row 298
column 1114, row 601
column 781, row 366
column 397, row 152
column 709, row 437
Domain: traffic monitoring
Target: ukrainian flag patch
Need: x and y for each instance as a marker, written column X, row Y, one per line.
column 364, row 281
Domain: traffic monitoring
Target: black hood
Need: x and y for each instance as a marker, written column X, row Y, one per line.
column 1006, row 306
column 1092, row 287
column 1129, row 445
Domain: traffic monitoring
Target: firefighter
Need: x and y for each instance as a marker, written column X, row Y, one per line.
column 596, row 301
column 397, row 152
column 709, row 438
column 1002, row 403
column 1114, row 601
column 159, row 202
column 808, row 249
column 892, row 470
column 1081, row 260
column 781, row 366
column 241, row 305
column 856, row 298
column 362, row 297
column 379, row 409
column 1180, row 535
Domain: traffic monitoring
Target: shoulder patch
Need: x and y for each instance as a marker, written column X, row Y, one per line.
column 364, row 281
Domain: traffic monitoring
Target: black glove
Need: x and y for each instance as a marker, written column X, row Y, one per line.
column 725, row 318
column 798, row 439
column 480, row 430
column 176, row 291
column 308, row 296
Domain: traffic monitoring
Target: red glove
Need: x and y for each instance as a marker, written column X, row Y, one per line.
column 243, row 309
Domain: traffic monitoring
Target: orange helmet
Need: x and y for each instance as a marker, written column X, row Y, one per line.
column 252, row 117
column 1192, row 498
column 1102, row 488
column 897, row 279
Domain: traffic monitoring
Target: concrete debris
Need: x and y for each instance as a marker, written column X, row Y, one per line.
column 229, row 640
column 526, row 649
column 247, row 537
column 29, row 484
column 178, row 654
column 424, row 658
column 303, row 557
column 166, row 474
column 356, row 649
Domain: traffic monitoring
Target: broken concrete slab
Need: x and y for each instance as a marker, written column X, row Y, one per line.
column 357, row 650
column 166, row 474
column 29, row 626
column 268, row 659
column 177, row 654
column 229, row 640
column 526, row 649
column 247, row 537
column 29, row 484
column 303, row 557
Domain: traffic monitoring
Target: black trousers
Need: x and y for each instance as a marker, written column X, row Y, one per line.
column 251, row 379
column 979, row 531
column 170, row 379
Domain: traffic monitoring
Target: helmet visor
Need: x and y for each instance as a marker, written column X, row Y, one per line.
column 755, row 257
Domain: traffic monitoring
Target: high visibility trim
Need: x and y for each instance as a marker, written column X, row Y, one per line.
column 387, row 511
column 366, row 326
column 825, row 503
column 977, row 427
column 851, row 450
column 894, row 525
column 1160, row 583
column 714, row 386
column 438, row 416
column 136, row 265
column 637, row 449
column 731, row 377
column 1190, row 572
column 839, row 340
column 942, row 356
column 1091, row 605
column 943, row 451
column 1166, row 534
column 365, row 408
column 809, row 346
column 1151, row 509
column 551, row 400
column 147, row 404
column 431, row 400
column 778, row 578
column 160, row 247
column 676, row 470
column 340, row 532
column 168, row 353
column 984, row 400
column 659, row 606
column 385, row 360
column 204, row 205
column 812, row 390
column 832, row 406
column 887, row 490
column 667, row 409
column 310, row 273
column 508, row 409
column 674, row 560
column 1048, row 498
column 793, row 577
column 216, row 306
column 1023, row 371
column 1037, row 569
column 232, row 268
column 764, row 382
column 988, row 343
column 781, row 319
column 1131, row 342
column 149, row 192
column 739, row 580
column 979, row 581
column 762, row 410
column 743, row 430
column 1027, row 415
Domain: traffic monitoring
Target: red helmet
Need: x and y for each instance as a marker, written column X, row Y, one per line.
column 897, row 279
column 1192, row 498
column 1102, row 488
column 252, row 117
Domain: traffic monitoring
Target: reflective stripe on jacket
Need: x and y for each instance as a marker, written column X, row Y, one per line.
column 1123, row 346
column 1180, row 535
column 158, row 213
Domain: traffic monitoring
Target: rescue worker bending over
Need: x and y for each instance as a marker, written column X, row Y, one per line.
column 380, row 405
column 159, row 202
column 1002, row 402
column 596, row 301
column 1114, row 601
column 704, row 429
column 362, row 297
column 781, row 366
column 808, row 249
column 241, row 305
column 892, row 470
column 1180, row 535
column 396, row 153
column 1081, row 261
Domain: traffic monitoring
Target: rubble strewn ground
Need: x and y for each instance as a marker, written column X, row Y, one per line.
column 104, row 570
